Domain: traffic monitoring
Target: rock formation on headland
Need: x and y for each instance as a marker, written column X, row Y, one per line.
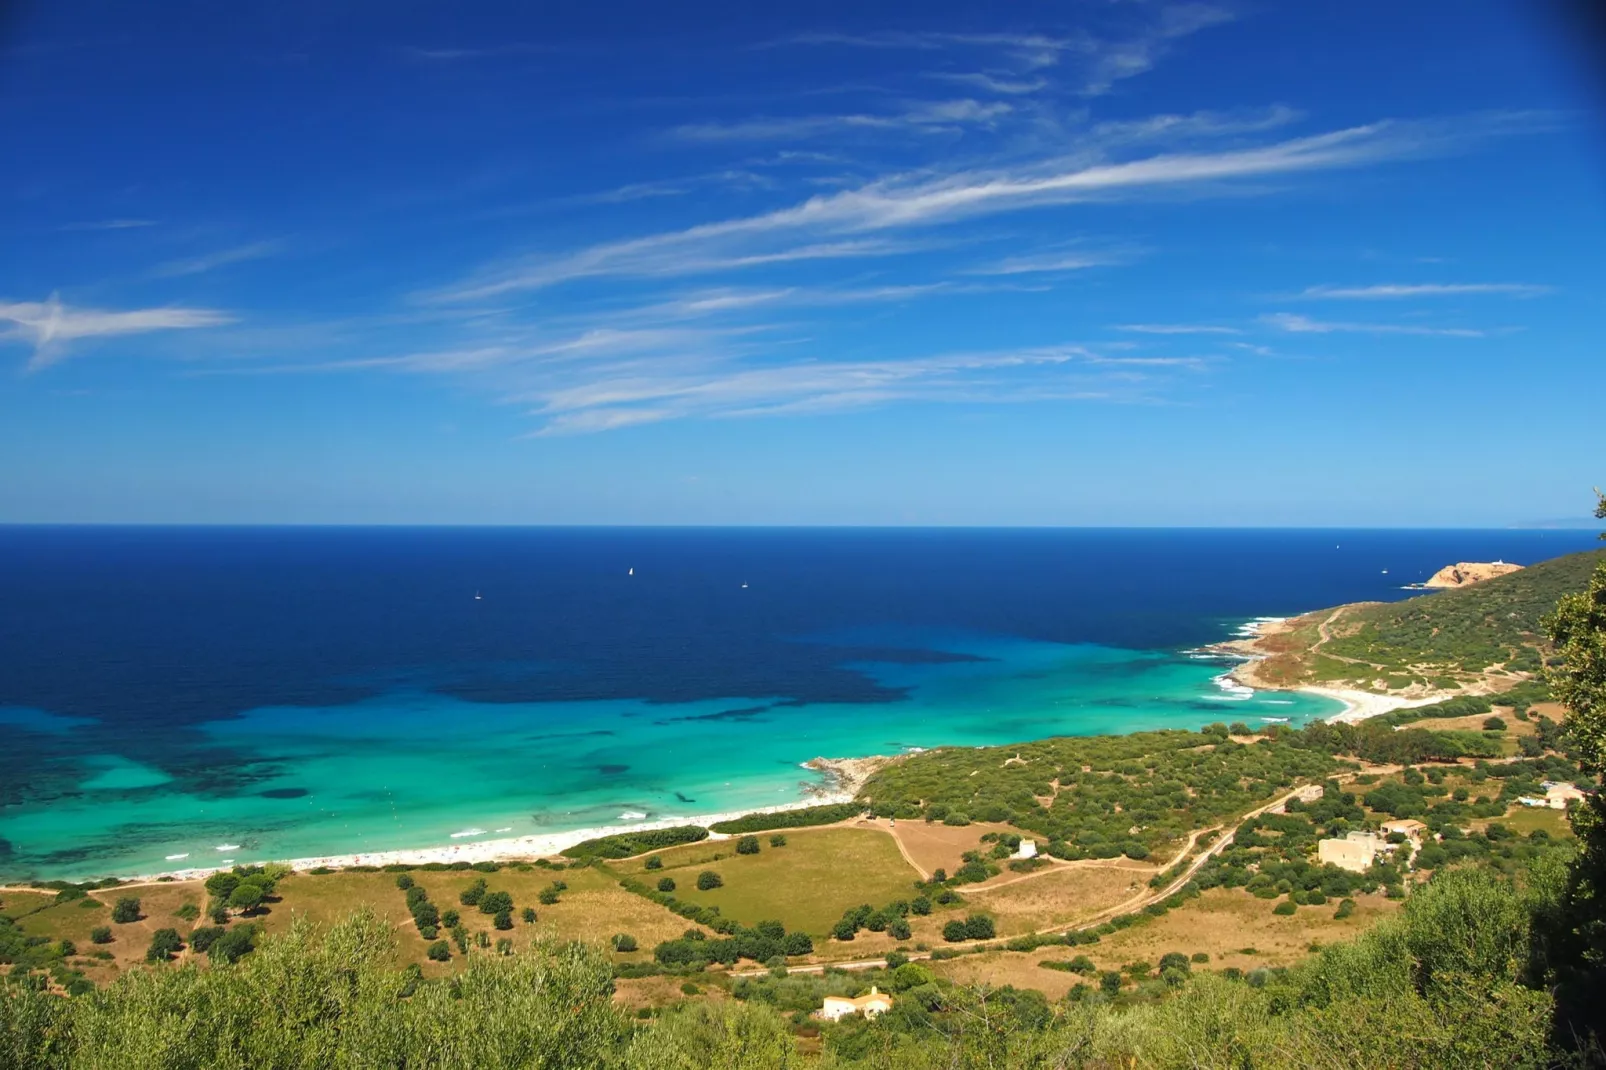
column 1466, row 573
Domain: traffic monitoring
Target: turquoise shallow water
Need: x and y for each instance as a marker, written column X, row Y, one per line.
column 287, row 692
column 409, row 769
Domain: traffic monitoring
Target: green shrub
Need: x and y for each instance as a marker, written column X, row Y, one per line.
column 203, row 938
column 828, row 814
column 626, row 844
column 708, row 880
column 232, row 946
column 165, row 943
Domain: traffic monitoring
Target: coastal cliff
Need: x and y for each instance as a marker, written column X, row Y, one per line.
column 1466, row 573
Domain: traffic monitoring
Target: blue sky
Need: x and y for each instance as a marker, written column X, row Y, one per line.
column 1099, row 262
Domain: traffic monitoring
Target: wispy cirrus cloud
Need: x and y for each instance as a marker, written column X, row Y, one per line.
column 50, row 325
column 990, row 84
column 1096, row 64
column 460, row 54
column 1051, row 262
column 199, row 265
column 925, row 118
column 1389, row 291
column 637, row 394
column 1177, row 328
column 1295, row 324
column 1199, row 124
column 834, row 225
column 108, row 224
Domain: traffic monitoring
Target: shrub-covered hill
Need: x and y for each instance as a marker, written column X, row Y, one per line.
column 1448, row 983
column 1097, row 796
column 1469, row 629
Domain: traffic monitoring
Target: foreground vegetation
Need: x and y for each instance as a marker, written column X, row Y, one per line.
column 1451, row 981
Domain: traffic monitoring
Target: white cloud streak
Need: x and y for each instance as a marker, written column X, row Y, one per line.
column 1048, row 263
column 1176, row 328
column 636, row 394
column 1294, row 324
column 1199, row 124
column 50, row 326
column 1389, row 291
column 109, row 224
column 928, row 118
column 990, row 84
column 1099, row 64
column 825, row 223
column 212, row 261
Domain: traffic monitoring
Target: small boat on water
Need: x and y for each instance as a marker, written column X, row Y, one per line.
column 630, row 571
column 476, row 596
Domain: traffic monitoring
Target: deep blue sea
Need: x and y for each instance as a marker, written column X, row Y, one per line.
column 174, row 697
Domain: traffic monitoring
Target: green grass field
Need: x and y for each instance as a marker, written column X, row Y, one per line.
column 1525, row 819
column 805, row 885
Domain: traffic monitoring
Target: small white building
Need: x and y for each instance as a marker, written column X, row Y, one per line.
column 1027, row 849
column 1413, row 830
column 871, row 1004
column 1355, row 852
column 1559, row 794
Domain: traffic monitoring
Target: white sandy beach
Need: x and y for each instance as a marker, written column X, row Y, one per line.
column 541, row 845
column 1359, row 705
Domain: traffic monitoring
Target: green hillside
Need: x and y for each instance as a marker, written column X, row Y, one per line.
column 1491, row 633
column 1469, row 630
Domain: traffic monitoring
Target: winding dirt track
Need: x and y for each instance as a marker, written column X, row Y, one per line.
column 1137, row 902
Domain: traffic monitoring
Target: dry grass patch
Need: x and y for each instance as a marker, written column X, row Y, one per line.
column 593, row 908
column 632, row 993
column 1021, row 969
column 935, row 846
column 73, row 921
column 1231, row 926
column 1060, row 896
column 14, row 903
column 806, row 885
column 1223, row 922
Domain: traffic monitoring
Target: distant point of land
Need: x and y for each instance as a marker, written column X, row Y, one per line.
column 1466, row 573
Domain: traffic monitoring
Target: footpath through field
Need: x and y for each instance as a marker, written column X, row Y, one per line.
column 1137, row 902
